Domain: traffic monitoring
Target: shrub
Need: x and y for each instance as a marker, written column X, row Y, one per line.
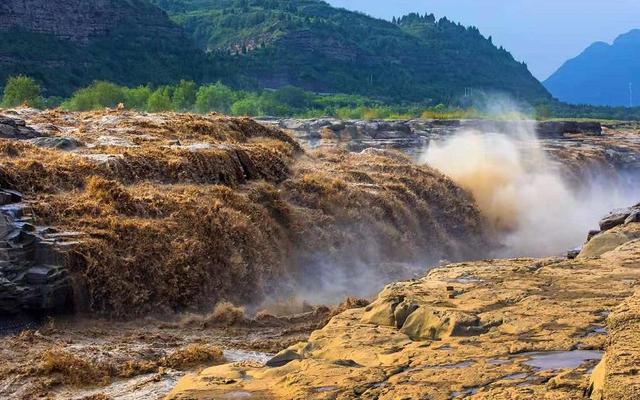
column 216, row 97
column 100, row 94
column 160, row 100
column 138, row 97
column 184, row 96
column 249, row 106
column 21, row 90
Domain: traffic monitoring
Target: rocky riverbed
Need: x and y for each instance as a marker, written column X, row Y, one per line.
column 154, row 224
column 499, row 329
column 579, row 147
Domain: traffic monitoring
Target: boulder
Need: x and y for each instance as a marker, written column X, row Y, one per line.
column 57, row 142
column 615, row 218
column 286, row 356
column 11, row 128
column 592, row 234
column 560, row 128
column 382, row 312
column 573, row 254
column 608, row 241
column 427, row 323
column 633, row 217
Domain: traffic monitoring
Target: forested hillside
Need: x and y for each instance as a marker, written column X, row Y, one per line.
column 308, row 43
column 66, row 44
column 253, row 45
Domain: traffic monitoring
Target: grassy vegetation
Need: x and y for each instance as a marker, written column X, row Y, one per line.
column 288, row 101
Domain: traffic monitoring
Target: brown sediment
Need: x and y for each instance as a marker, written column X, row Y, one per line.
column 181, row 211
column 82, row 356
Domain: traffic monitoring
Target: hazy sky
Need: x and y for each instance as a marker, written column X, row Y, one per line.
column 543, row 33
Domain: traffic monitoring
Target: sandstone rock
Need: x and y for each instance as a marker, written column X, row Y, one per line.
column 430, row 324
column 403, row 311
column 592, row 234
column 381, row 312
column 284, row 358
column 609, row 240
column 572, row 254
column 616, row 377
column 545, row 309
column 114, row 141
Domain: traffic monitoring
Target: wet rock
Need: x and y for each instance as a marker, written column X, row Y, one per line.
column 615, row 218
column 573, row 254
column 592, row 234
column 284, row 357
column 11, row 128
column 57, row 142
column 633, row 217
column 560, row 128
column 25, row 284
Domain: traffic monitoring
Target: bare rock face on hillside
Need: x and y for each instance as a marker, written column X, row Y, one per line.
column 500, row 329
column 76, row 20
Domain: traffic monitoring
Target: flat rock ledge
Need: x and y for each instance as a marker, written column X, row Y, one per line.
column 500, row 329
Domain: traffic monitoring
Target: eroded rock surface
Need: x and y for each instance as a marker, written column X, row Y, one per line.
column 33, row 277
column 501, row 329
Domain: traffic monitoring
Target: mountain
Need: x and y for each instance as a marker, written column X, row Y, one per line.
column 601, row 74
column 66, row 44
column 252, row 44
column 308, row 43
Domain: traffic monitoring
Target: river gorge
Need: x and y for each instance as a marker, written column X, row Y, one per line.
column 160, row 244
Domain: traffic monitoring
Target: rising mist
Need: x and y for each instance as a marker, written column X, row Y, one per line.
column 528, row 203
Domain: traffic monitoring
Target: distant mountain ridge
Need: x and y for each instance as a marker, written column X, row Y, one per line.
column 601, row 74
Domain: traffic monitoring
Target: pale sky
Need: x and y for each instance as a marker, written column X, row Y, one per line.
column 543, row 33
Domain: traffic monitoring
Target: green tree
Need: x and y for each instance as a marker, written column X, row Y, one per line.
column 138, row 97
column 293, row 97
column 216, row 97
column 99, row 94
column 184, row 96
column 160, row 100
column 249, row 106
column 22, row 90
